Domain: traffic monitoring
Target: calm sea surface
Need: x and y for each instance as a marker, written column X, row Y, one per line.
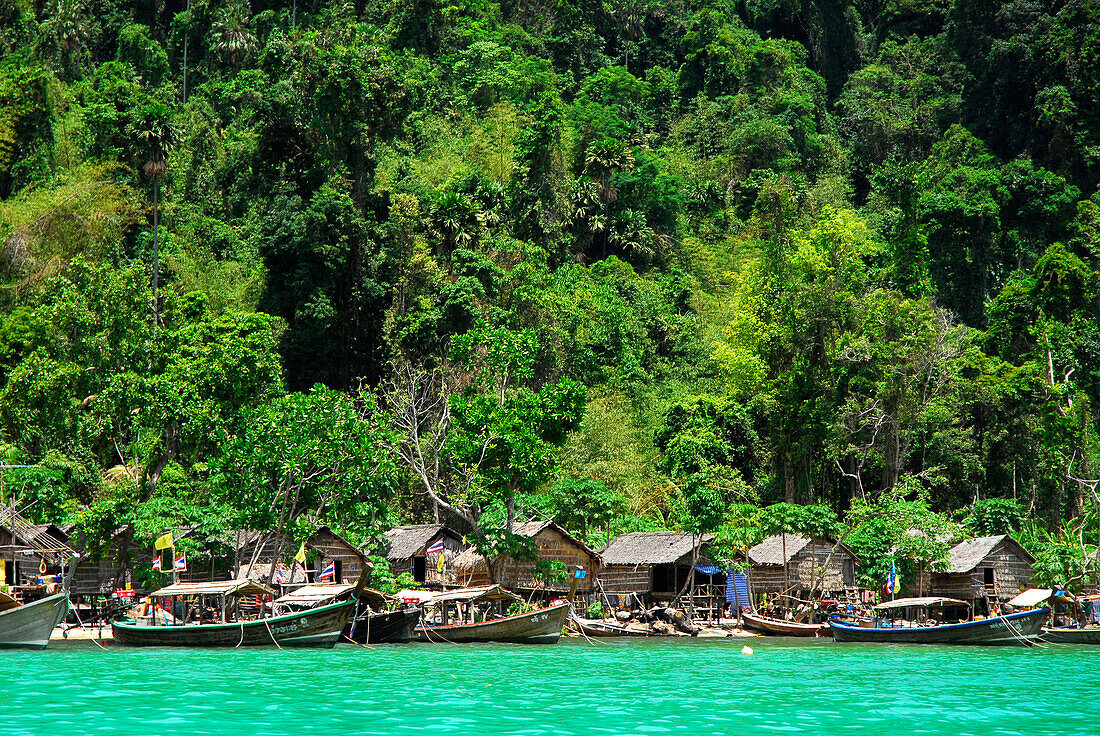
column 649, row 687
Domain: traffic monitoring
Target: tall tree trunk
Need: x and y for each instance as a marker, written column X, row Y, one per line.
column 156, row 248
column 185, row 35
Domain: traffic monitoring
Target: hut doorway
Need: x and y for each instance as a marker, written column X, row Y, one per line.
column 664, row 578
column 419, row 568
column 990, row 579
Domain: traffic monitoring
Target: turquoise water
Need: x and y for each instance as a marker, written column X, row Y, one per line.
column 619, row 687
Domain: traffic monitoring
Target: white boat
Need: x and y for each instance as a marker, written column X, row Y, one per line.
column 30, row 625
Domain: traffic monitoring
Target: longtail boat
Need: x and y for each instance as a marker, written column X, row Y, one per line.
column 371, row 623
column 1017, row 628
column 29, row 625
column 602, row 629
column 1060, row 635
column 779, row 627
column 315, row 627
column 542, row 626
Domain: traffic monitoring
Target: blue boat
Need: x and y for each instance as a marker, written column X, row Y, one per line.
column 906, row 621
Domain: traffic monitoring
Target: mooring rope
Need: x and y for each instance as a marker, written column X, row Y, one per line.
column 81, row 624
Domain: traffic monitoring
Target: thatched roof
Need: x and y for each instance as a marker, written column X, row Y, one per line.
column 469, row 562
column 967, row 555
column 404, row 542
column 770, row 551
column 532, row 529
column 651, row 548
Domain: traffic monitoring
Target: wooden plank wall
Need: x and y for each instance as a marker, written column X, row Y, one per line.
column 1011, row 574
column 333, row 548
column 625, row 578
column 552, row 545
column 804, row 569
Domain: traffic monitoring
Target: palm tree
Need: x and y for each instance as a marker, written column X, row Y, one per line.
column 232, row 39
column 601, row 160
column 458, row 219
column 153, row 136
column 64, row 31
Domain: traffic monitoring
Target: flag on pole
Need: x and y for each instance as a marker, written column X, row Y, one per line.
column 437, row 546
column 329, row 572
column 300, row 558
column 280, row 577
column 164, row 541
column 181, row 563
column 156, row 562
column 891, row 580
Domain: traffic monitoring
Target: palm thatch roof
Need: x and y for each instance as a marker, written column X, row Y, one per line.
column 770, row 551
column 469, row 562
column 967, row 555
column 404, row 542
column 651, row 548
column 532, row 529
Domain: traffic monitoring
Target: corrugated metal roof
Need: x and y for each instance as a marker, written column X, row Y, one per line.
column 651, row 548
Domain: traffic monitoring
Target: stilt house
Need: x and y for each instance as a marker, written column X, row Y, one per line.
column 407, row 551
column 653, row 566
column 993, row 568
column 810, row 564
column 256, row 552
column 552, row 543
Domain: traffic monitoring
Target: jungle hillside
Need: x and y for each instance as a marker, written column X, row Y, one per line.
column 725, row 266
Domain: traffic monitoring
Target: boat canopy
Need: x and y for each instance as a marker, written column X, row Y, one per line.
column 919, row 602
column 479, row 593
column 1031, row 597
column 217, row 587
column 315, row 594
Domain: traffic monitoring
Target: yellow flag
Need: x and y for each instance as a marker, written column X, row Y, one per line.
column 300, row 558
column 441, row 564
column 164, row 541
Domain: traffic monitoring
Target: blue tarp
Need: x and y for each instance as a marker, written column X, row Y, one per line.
column 709, row 569
column 737, row 586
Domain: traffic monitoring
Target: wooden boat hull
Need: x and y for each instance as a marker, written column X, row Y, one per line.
column 389, row 627
column 315, row 627
column 601, row 629
column 1018, row 628
column 538, row 627
column 30, row 626
column 776, row 627
column 1071, row 636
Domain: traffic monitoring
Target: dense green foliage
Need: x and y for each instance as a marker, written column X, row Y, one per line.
column 637, row 264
